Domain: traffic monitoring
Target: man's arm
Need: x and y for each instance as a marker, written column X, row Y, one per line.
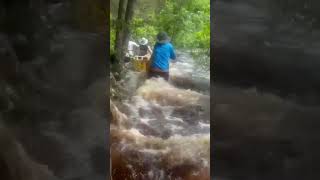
column 172, row 54
column 149, row 49
column 135, row 44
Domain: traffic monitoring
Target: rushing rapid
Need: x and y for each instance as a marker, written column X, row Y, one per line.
column 163, row 130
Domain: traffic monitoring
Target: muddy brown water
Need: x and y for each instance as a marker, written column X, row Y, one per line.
column 266, row 92
column 165, row 130
column 58, row 126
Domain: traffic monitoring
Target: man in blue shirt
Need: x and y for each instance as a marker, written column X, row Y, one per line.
column 162, row 53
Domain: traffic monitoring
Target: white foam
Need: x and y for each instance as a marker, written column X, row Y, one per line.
column 204, row 125
column 146, row 120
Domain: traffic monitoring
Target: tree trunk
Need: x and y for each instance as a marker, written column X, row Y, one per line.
column 128, row 18
column 119, row 30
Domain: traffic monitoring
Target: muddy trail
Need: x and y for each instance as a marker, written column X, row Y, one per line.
column 266, row 94
column 162, row 130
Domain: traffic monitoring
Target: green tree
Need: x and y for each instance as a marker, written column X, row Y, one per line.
column 186, row 21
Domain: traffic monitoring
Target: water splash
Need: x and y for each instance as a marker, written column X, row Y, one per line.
column 162, row 132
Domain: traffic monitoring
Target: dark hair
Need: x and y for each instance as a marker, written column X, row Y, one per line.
column 162, row 36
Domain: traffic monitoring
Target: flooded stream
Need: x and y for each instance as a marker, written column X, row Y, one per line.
column 162, row 131
column 266, row 93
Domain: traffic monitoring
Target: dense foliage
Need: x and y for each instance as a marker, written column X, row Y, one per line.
column 112, row 33
column 186, row 21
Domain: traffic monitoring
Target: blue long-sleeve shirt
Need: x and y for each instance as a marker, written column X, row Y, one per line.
column 162, row 53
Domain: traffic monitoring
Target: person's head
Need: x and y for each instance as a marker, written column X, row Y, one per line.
column 143, row 41
column 163, row 37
